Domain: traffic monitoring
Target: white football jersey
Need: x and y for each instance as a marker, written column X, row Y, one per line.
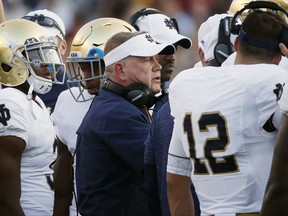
column 219, row 116
column 67, row 117
column 30, row 121
column 231, row 59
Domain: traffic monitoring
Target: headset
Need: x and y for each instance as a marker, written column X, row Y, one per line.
column 223, row 48
column 235, row 28
column 137, row 94
column 148, row 11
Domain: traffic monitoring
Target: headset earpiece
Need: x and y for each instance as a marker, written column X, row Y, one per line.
column 223, row 47
column 136, row 94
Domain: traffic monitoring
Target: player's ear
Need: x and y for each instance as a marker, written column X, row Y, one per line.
column 201, row 55
column 119, row 70
column 236, row 44
column 277, row 59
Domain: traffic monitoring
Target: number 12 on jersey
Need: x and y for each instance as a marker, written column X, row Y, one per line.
column 217, row 144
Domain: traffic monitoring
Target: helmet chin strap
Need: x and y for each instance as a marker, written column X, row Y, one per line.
column 29, row 98
column 31, row 88
column 40, row 87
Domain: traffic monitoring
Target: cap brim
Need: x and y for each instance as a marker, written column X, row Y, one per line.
column 185, row 43
column 141, row 45
column 168, row 50
column 160, row 27
column 174, row 38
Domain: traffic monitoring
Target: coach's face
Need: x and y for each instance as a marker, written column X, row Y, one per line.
column 143, row 70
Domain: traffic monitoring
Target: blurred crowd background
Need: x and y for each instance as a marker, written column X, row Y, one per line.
column 75, row 13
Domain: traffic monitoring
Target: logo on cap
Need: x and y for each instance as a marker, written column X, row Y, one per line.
column 169, row 24
column 149, row 38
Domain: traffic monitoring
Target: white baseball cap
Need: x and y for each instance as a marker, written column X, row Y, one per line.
column 208, row 35
column 141, row 45
column 159, row 26
column 49, row 20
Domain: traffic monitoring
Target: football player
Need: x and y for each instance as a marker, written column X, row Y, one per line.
column 30, row 61
column 226, row 122
column 55, row 24
column 276, row 196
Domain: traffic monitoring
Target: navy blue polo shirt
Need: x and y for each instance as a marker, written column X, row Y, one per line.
column 110, row 158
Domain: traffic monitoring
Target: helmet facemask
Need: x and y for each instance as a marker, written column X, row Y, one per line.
column 87, row 48
column 45, row 54
column 80, row 79
column 33, row 55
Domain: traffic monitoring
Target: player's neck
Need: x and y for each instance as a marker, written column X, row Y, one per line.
column 25, row 88
column 250, row 60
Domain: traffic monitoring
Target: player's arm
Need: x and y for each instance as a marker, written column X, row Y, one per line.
column 179, row 168
column 11, row 149
column 276, row 194
column 63, row 180
column 179, row 195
